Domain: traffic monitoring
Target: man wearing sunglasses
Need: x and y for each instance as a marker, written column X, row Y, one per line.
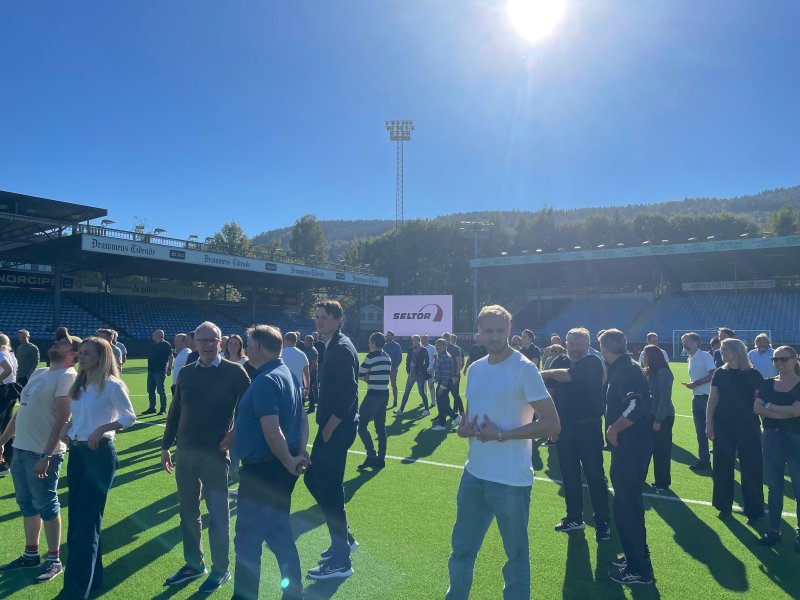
column 200, row 423
column 38, row 453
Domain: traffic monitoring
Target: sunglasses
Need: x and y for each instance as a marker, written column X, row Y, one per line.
column 776, row 359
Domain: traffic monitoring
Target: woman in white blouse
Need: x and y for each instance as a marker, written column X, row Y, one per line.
column 100, row 407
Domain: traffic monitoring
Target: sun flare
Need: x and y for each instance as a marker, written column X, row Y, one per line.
column 535, row 19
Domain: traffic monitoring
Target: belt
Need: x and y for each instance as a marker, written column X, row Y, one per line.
column 72, row 443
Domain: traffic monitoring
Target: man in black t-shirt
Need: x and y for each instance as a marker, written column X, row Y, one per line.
column 529, row 349
column 576, row 381
column 476, row 352
column 159, row 365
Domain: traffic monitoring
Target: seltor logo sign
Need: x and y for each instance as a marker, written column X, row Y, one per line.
column 429, row 312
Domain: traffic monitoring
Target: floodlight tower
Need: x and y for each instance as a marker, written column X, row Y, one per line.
column 399, row 131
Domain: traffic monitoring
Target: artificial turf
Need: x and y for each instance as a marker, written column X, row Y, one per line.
column 402, row 517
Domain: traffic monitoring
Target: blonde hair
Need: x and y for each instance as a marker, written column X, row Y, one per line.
column 5, row 343
column 494, row 310
column 738, row 348
column 106, row 368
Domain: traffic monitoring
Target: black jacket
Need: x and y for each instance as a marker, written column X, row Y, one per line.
column 338, row 392
column 422, row 361
column 628, row 395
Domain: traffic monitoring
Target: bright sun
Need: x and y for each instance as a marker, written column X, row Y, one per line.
column 535, row 19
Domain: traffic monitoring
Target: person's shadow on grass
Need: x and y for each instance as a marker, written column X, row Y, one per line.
column 425, row 443
column 323, row 589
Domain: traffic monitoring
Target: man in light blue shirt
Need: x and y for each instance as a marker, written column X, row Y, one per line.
column 761, row 356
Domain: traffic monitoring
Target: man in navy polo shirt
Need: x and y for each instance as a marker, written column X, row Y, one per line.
column 271, row 436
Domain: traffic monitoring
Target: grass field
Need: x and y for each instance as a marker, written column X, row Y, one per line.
column 403, row 516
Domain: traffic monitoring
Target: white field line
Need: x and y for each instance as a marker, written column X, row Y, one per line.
column 433, row 463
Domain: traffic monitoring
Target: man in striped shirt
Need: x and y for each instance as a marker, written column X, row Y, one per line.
column 375, row 370
column 443, row 376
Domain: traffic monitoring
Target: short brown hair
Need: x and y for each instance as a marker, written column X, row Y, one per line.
column 268, row 336
column 378, row 339
column 63, row 333
column 291, row 337
column 332, row 307
column 614, row 341
column 692, row 336
column 495, row 310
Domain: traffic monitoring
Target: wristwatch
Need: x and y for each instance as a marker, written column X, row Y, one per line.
column 768, row 405
column 500, row 437
column 44, row 456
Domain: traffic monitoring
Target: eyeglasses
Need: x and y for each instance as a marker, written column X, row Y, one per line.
column 776, row 359
column 207, row 342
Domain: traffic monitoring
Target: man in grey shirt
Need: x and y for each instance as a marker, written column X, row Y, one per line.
column 27, row 357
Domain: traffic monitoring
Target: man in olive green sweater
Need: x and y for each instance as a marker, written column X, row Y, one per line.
column 200, row 421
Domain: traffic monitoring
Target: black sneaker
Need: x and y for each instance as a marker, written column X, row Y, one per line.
column 368, row 462
column 22, row 562
column 325, row 556
column 214, row 582
column 700, row 466
column 329, row 570
column 161, row 413
column 620, row 561
column 50, row 569
column 602, row 532
column 626, row 577
column 770, row 538
column 149, row 411
column 566, row 525
column 185, row 573
column 660, row 488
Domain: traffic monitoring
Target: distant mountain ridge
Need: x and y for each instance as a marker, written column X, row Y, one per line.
column 341, row 233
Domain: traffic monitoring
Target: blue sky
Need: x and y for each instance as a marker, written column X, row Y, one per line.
column 192, row 113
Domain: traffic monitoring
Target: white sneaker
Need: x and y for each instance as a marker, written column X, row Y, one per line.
column 457, row 421
column 426, row 412
column 437, row 428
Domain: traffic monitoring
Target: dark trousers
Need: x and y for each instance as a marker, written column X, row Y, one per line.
column 458, row 403
column 22, row 380
column 264, row 504
column 207, row 471
column 662, row 453
column 6, row 412
column 89, row 477
column 699, row 403
column 629, row 462
column 313, row 390
column 420, row 381
column 744, row 438
column 581, row 447
column 324, row 480
column 443, row 404
column 373, row 408
column 155, row 383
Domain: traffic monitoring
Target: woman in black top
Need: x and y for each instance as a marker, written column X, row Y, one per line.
column 778, row 403
column 660, row 378
column 730, row 422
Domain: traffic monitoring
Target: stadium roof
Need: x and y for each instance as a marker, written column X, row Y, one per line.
column 22, row 217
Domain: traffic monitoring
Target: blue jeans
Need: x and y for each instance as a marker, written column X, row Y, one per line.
column 780, row 448
column 155, row 381
column 478, row 503
column 420, row 386
column 36, row 496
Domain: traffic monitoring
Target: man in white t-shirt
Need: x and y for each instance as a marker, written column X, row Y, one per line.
column 652, row 340
column 504, row 394
column 701, row 369
column 297, row 361
column 44, row 409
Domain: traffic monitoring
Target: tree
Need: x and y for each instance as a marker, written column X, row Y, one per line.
column 783, row 221
column 231, row 239
column 308, row 240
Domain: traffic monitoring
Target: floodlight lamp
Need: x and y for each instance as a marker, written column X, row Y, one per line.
column 106, row 222
column 711, row 237
column 539, row 250
column 744, row 235
column 644, row 243
column 620, row 245
column 601, row 245
column 692, row 239
column 577, row 248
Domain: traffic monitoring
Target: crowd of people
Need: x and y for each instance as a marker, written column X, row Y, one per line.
column 239, row 415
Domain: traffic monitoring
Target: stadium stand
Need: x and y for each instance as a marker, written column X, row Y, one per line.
column 134, row 317
column 595, row 314
column 778, row 310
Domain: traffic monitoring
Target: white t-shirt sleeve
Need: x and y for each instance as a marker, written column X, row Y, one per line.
column 533, row 388
column 65, row 383
column 708, row 362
